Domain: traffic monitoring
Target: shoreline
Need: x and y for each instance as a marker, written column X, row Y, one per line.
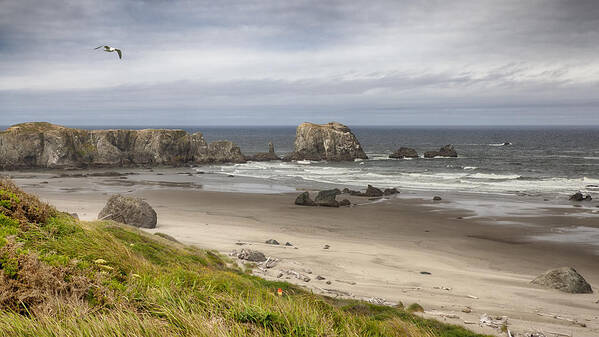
column 381, row 247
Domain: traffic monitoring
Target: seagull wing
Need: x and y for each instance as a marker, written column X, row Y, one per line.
column 120, row 53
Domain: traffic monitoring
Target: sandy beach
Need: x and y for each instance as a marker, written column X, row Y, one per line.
column 459, row 258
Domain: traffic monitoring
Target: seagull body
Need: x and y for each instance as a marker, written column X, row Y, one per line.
column 110, row 49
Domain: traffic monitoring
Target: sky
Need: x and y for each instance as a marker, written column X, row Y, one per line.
column 278, row 62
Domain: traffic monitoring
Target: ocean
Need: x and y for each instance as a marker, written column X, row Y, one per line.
column 538, row 161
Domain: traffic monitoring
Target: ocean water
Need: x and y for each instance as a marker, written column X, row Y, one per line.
column 539, row 161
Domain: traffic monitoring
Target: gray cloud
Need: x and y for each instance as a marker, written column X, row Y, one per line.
column 363, row 62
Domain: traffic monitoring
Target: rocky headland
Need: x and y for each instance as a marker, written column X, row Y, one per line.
column 45, row 145
column 333, row 141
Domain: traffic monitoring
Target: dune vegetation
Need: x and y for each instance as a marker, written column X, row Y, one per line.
column 63, row 277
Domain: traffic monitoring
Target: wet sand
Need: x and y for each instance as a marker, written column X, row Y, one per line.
column 479, row 254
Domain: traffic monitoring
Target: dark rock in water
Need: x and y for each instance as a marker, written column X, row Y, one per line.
column 272, row 242
column 327, row 198
column 445, row 151
column 231, row 176
column 333, row 141
column 251, row 255
column 128, row 210
column 166, row 236
column 507, row 144
column 390, row 191
column 372, row 191
column 345, row 202
column 437, row 198
column 264, row 156
column 579, row 197
column 304, row 200
column 404, row 152
column 565, row 279
column 288, row 244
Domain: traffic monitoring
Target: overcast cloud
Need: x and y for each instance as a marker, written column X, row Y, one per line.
column 285, row 62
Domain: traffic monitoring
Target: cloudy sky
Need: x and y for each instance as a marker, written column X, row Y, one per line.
column 372, row 62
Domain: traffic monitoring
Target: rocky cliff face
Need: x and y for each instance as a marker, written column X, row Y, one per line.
column 333, row 141
column 45, row 145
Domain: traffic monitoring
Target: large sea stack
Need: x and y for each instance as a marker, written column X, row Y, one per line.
column 45, row 145
column 333, row 141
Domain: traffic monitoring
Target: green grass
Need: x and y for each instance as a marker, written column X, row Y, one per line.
column 77, row 278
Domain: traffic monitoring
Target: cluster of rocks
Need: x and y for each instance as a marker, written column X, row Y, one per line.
column 578, row 196
column 328, row 198
column 407, row 152
column 45, row 145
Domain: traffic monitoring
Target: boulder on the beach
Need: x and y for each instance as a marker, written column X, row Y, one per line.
column 264, row 156
column 304, row 200
column 372, row 192
column 272, row 242
column 578, row 196
column 130, row 211
column 251, row 255
column 437, row 198
column 445, row 151
column 390, row 191
column 344, row 202
column 565, row 279
column 404, row 152
column 333, row 141
column 327, row 198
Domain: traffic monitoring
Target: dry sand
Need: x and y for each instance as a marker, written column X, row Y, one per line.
column 376, row 249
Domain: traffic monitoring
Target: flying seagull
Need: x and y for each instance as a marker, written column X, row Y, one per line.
column 111, row 49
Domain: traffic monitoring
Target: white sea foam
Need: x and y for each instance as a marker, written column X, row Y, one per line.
column 358, row 175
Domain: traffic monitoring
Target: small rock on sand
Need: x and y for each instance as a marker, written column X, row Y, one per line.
column 272, row 242
column 288, row 244
column 425, row 273
column 345, row 202
column 318, row 277
column 251, row 255
column 304, row 200
column 128, row 210
column 326, row 247
column 437, row 198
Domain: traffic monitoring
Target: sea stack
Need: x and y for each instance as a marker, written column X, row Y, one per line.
column 45, row 145
column 264, row 156
column 333, row 141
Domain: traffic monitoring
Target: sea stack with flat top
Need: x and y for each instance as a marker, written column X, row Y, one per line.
column 333, row 141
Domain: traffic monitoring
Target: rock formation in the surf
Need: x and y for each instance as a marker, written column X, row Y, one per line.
column 404, row 152
column 333, row 141
column 565, row 279
column 128, row 210
column 578, row 196
column 45, row 145
column 264, row 156
column 445, row 151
